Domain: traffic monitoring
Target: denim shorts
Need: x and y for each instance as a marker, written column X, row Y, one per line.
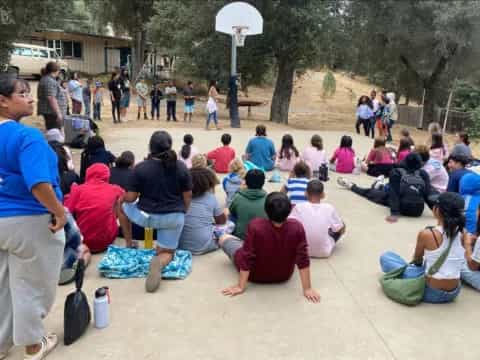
column 169, row 226
column 189, row 108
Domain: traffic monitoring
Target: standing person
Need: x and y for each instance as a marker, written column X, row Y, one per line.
column 212, row 104
column 125, row 99
column 63, row 103
column 115, row 89
column 393, row 115
column 75, row 89
column 31, row 244
column 364, row 114
column 189, row 102
column 171, row 94
column 261, row 150
column 97, row 101
column 163, row 187
column 438, row 150
column 462, row 145
column 51, row 100
column 142, row 93
column 375, row 108
column 155, row 97
column 87, row 97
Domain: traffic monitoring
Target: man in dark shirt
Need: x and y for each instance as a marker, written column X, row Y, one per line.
column 271, row 249
column 189, row 101
column 456, row 165
column 155, row 96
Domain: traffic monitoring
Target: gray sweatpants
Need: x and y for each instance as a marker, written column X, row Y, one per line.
column 30, row 261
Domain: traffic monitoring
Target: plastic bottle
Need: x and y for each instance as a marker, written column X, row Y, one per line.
column 148, row 244
column 358, row 167
column 101, row 308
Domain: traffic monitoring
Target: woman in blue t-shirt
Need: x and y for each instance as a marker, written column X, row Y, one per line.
column 260, row 150
column 163, row 187
column 31, row 225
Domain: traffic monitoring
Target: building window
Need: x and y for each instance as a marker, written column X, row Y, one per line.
column 67, row 49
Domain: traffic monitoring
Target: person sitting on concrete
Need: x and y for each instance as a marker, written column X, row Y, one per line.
column 470, row 191
column 200, row 235
column 223, row 155
column 95, row 207
column 248, row 203
column 471, row 269
column 343, row 159
column 462, row 145
column 95, row 152
column 323, row 226
column 123, row 169
column 261, row 150
column 444, row 285
column 408, row 190
column 379, row 161
column 434, row 168
column 297, row 183
column 456, row 165
column 234, row 180
column 271, row 249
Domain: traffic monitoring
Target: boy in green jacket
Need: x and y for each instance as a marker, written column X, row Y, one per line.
column 249, row 203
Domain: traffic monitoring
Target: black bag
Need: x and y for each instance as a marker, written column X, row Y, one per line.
column 323, row 173
column 412, row 185
column 77, row 313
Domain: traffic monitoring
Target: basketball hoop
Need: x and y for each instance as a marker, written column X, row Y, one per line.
column 240, row 35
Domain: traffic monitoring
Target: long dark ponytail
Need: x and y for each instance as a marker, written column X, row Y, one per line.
column 161, row 149
column 187, row 147
column 451, row 207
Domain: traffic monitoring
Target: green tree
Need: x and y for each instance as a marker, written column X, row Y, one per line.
column 20, row 17
column 411, row 45
column 130, row 17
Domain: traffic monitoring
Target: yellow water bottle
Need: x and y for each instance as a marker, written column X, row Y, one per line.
column 148, row 238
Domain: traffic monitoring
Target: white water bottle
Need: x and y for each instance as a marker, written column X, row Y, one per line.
column 101, row 310
column 358, row 167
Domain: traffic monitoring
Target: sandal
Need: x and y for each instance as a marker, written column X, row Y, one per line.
column 67, row 275
column 49, row 342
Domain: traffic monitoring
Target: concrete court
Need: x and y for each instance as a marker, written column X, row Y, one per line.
column 191, row 319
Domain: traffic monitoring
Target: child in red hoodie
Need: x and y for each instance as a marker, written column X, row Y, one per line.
column 223, row 155
column 94, row 206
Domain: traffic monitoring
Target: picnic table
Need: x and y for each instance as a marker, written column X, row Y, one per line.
column 249, row 104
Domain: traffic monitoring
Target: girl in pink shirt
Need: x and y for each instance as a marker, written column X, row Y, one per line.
column 403, row 149
column 344, row 156
column 288, row 155
column 314, row 155
column 188, row 151
column 379, row 160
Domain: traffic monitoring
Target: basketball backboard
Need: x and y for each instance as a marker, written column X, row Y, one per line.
column 239, row 16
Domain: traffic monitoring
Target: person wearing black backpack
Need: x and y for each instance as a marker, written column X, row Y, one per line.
column 406, row 193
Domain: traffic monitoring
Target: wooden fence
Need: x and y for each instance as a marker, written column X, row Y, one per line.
column 457, row 120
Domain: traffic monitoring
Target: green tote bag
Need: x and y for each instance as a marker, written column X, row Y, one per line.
column 410, row 291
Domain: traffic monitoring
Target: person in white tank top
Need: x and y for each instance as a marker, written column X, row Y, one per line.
column 444, row 285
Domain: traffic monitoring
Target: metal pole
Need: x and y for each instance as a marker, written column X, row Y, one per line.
column 420, row 126
column 446, row 112
column 233, row 106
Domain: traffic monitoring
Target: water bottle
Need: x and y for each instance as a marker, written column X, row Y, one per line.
column 148, row 244
column 101, row 310
column 358, row 167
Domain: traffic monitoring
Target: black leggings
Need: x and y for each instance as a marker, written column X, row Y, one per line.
column 116, row 108
column 366, row 125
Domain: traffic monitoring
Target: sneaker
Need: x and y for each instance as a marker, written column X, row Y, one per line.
column 154, row 275
column 49, row 343
column 344, row 183
column 379, row 182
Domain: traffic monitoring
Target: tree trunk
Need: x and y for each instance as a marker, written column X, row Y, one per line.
column 429, row 104
column 138, row 52
column 283, row 90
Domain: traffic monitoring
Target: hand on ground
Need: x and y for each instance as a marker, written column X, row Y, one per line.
column 312, row 295
column 233, row 291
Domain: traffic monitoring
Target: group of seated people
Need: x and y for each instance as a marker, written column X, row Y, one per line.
column 174, row 193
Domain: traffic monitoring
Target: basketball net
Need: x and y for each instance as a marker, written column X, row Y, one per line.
column 240, row 35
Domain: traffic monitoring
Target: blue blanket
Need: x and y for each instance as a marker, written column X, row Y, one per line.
column 124, row 263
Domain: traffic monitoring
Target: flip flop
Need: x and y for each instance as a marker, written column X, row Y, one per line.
column 49, row 342
column 67, row 275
